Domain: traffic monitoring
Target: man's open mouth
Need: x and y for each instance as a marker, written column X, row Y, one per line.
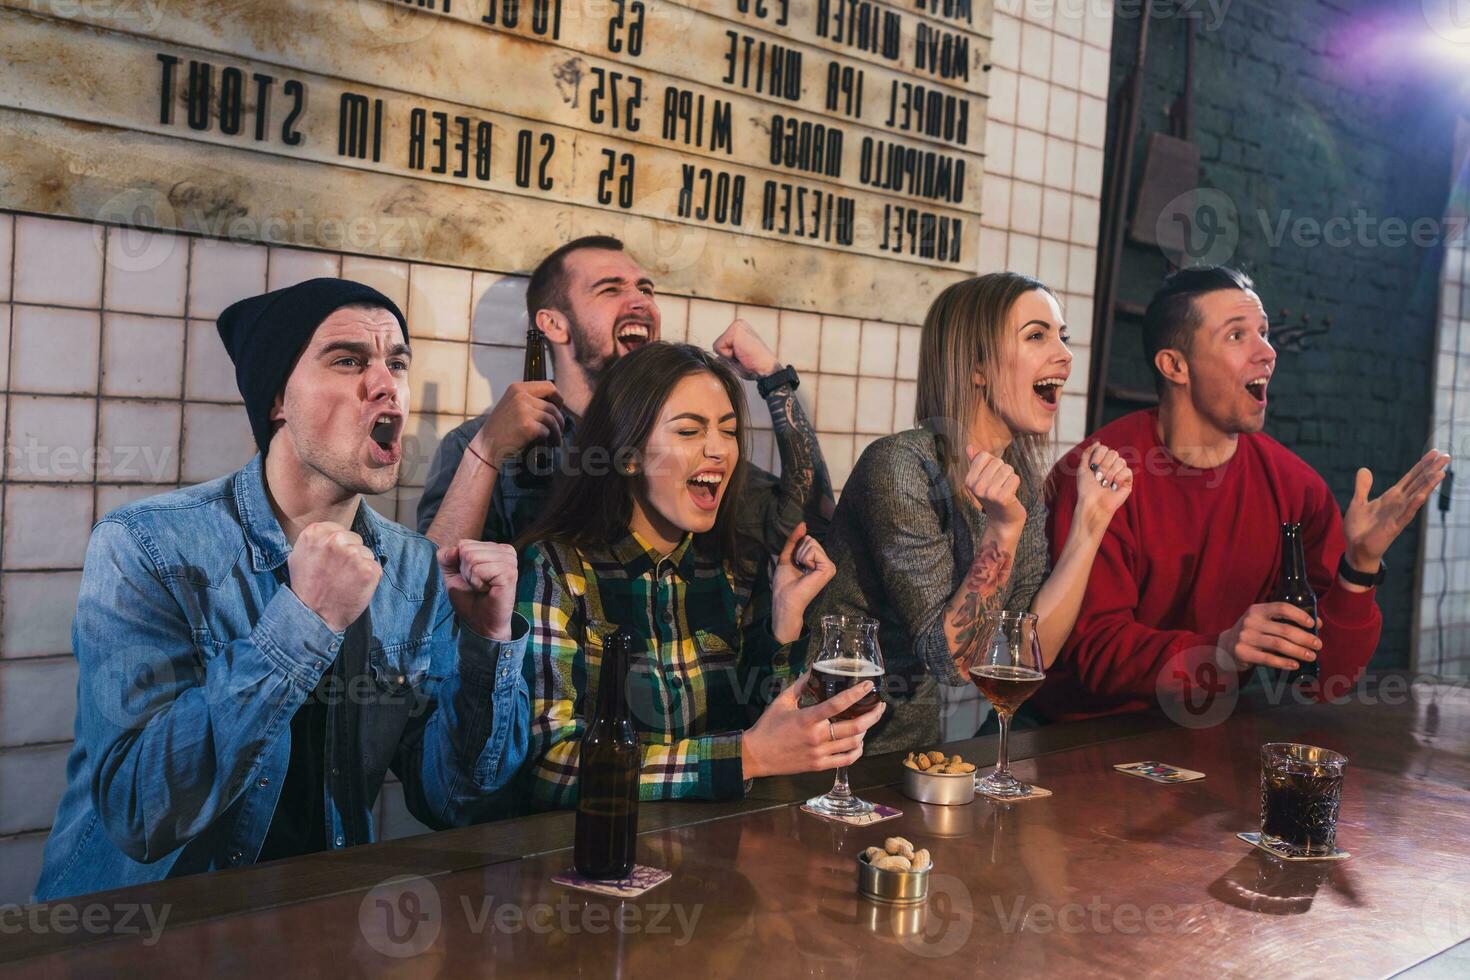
column 633, row 334
column 704, row 487
column 1257, row 389
column 1049, row 389
column 387, row 428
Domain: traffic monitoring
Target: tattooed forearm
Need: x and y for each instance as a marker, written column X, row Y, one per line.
column 804, row 478
column 982, row 590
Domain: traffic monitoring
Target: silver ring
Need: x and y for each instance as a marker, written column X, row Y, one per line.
column 830, row 730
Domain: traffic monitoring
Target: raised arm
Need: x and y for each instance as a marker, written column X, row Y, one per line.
column 1102, row 482
column 804, row 491
column 461, row 484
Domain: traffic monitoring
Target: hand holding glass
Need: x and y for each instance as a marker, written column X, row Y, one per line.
column 849, row 656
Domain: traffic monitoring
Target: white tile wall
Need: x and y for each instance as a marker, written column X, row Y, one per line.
column 57, row 263
column 1044, row 160
column 801, row 339
column 223, row 272
column 54, row 351
column 7, row 237
column 209, row 374
column 48, row 526
column 51, row 439
column 37, row 700
column 138, row 441
column 387, row 277
column 32, row 779
column 143, row 356
column 147, row 272
column 1441, row 643
column 841, row 344
column 288, row 266
column 111, row 344
column 439, row 303
column 38, row 609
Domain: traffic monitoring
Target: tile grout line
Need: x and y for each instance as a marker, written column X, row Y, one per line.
column 5, row 428
column 184, row 370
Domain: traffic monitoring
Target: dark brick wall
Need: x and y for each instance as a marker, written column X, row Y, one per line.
column 1314, row 109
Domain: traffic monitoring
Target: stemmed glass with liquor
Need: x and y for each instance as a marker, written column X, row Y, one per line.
column 1007, row 668
column 849, row 656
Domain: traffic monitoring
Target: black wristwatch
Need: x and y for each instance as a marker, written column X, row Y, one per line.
column 774, row 380
column 1352, row 576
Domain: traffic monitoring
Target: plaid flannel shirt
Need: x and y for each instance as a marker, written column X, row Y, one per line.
column 699, row 680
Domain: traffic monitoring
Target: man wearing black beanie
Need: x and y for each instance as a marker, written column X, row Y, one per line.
column 256, row 652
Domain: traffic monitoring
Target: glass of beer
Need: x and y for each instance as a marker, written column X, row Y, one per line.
column 1301, row 792
column 849, row 656
column 1007, row 669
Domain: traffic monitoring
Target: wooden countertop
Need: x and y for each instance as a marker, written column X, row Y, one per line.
column 1112, row 875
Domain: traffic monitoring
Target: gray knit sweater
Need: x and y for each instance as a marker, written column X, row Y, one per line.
column 902, row 546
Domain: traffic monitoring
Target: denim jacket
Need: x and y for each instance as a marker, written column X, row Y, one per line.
column 194, row 657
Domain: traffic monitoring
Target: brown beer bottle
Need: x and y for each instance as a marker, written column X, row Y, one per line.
column 535, row 369
column 1294, row 588
column 606, row 839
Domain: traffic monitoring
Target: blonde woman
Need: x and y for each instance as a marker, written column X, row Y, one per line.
column 946, row 520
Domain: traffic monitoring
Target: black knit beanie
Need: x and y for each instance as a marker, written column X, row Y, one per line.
column 266, row 334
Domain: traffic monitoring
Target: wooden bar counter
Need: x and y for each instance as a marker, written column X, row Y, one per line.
column 1112, row 876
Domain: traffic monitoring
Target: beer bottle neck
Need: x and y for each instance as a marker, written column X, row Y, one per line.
column 1293, row 561
column 612, row 680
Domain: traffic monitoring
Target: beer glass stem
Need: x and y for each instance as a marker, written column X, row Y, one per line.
column 1003, row 758
column 840, row 790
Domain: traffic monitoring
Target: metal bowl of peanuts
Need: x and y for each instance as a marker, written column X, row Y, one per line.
column 933, row 777
column 895, row 874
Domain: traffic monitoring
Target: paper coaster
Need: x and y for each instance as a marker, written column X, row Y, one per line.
column 641, row 880
column 1254, row 839
column 1159, row 772
column 1032, row 793
column 879, row 814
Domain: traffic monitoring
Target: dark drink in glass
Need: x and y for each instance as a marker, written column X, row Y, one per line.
column 1006, row 687
column 831, row 677
column 606, row 839
column 1301, row 793
column 849, row 655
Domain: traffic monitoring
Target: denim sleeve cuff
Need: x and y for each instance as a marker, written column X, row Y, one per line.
column 296, row 638
column 488, row 661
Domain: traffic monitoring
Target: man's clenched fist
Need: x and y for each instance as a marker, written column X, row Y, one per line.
column 333, row 573
column 481, row 576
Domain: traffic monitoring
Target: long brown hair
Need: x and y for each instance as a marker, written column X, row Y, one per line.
column 965, row 326
column 591, row 501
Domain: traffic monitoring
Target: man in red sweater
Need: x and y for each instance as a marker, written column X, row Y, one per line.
column 1188, row 564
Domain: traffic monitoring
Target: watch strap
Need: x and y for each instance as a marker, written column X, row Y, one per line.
column 774, row 380
column 1352, row 576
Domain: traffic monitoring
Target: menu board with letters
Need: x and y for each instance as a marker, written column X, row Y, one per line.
column 821, row 155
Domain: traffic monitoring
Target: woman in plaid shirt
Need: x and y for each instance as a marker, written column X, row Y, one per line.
column 642, row 536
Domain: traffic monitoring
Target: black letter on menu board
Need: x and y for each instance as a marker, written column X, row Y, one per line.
column 231, row 95
column 263, row 85
column 169, row 64
column 549, row 142
column 201, row 85
column 295, row 91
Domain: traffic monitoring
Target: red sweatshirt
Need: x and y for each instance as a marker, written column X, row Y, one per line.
column 1181, row 561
